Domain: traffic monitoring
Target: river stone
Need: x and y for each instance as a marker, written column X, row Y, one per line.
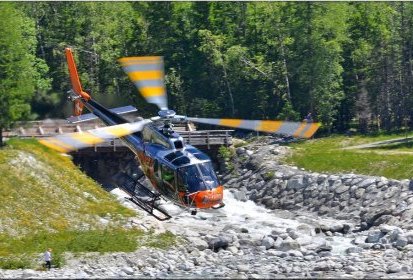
column 323, row 247
column 374, row 236
column 198, row 243
column 295, row 253
column 401, row 242
column 240, row 195
column 288, row 244
column 128, row 270
column 359, row 193
column 341, row 189
column 292, row 233
column 267, row 242
column 394, row 268
column 243, row 268
column 367, row 182
column 352, row 250
column 217, row 243
column 240, row 151
column 295, row 183
column 322, row 266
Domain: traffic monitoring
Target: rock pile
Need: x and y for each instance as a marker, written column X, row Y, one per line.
column 365, row 200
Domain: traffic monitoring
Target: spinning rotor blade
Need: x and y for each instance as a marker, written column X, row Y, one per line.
column 77, row 140
column 147, row 74
column 296, row 129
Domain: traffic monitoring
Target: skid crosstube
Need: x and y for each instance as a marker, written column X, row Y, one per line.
column 151, row 208
column 144, row 198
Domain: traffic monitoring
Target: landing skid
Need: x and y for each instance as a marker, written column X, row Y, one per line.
column 144, row 198
column 150, row 207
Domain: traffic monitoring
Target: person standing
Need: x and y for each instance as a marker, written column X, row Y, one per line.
column 48, row 258
column 308, row 118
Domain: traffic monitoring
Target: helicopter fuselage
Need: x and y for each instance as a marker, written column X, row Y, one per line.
column 178, row 171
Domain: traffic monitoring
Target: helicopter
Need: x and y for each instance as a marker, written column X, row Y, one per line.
column 177, row 172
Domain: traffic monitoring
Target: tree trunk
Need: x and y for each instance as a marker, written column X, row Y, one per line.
column 287, row 82
column 1, row 137
column 231, row 99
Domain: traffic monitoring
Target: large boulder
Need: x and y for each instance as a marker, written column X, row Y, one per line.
column 198, row 243
column 267, row 242
column 374, row 236
column 288, row 244
column 217, row 243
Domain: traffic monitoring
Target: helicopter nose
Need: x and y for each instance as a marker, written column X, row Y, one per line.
column 209, row 198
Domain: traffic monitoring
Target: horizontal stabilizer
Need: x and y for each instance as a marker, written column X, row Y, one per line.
column 87, row 117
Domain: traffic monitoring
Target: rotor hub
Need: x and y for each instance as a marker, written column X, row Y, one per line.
column 166, row 114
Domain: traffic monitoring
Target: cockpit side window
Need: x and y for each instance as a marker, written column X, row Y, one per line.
column 180, row 182
column 167, row 174
column 146, row 133
column 208, row 174
column 150, row 136
column 168, row 181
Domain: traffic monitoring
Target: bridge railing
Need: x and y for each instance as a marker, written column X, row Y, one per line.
column 205, row 138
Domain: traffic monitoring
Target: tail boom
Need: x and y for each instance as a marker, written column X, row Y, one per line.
column 74, row 76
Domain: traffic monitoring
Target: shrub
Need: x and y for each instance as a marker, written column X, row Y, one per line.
column 226, row 152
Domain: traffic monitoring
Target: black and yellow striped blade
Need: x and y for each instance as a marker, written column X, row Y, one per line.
column 74, row 141
column 147, row 73
column 296, row 129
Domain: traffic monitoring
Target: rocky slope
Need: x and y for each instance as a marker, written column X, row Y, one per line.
column 278, row 221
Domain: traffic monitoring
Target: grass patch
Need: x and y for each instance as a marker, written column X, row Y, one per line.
column 405, row 147
column 29, row 248
column 35, row 177
column 327, row 155
column 162, row 240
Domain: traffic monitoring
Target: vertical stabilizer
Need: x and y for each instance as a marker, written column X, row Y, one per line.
column 76, row 86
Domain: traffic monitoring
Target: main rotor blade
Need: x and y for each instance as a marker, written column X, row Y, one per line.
column 78, row 140
column 296, row 129
column 147, row 74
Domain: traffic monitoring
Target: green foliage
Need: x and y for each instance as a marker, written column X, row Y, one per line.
column 288, row 113
column 268, row 175
column 19, row 262
column 347, row 63
column 226, row 152
column 20, row 71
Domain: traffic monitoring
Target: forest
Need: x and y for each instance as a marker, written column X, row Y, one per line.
column 347, row 63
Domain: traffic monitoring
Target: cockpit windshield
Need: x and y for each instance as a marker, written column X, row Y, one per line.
column 197, row 177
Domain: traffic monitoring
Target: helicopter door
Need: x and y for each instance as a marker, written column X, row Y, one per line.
column 168, row 181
